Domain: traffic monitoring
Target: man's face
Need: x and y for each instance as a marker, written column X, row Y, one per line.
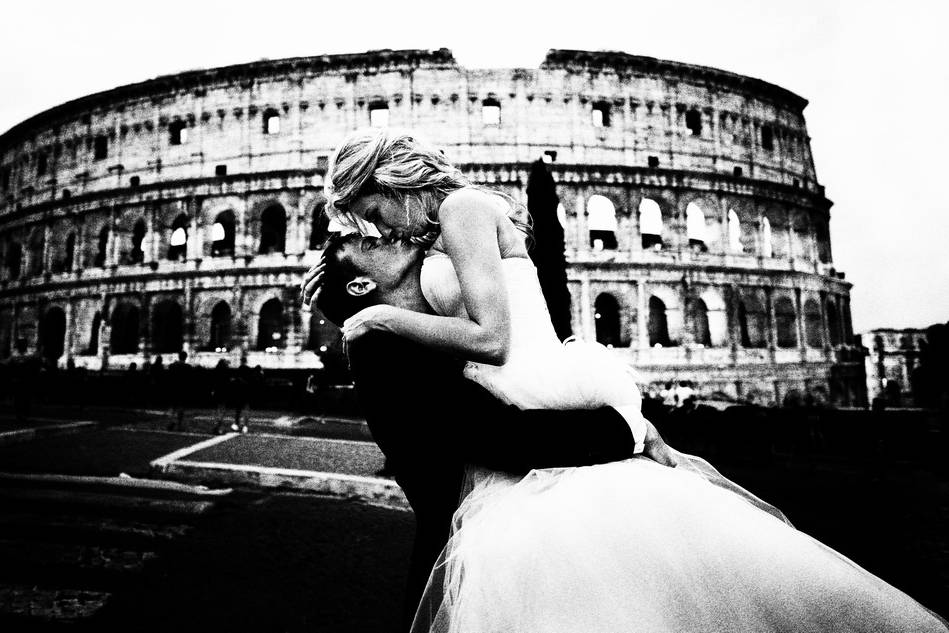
column 384, row 262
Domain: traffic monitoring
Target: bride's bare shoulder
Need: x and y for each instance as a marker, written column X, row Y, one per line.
column 471, row 199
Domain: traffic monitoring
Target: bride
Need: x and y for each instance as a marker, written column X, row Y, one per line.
column 631, row 545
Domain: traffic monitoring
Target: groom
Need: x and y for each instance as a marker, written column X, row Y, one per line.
column 428, row 420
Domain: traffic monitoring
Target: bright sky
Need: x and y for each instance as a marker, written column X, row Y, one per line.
column 876, row 75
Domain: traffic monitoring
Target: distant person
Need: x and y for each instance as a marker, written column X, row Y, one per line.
column 220, row 379
column 239, row 387
column 178, row 388
column 684, row 393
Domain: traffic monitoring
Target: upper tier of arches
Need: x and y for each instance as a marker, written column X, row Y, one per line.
column 291, row 120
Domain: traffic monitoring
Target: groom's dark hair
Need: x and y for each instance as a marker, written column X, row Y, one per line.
column 334, row 302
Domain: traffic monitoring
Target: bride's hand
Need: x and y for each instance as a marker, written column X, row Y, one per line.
column 377, row 317
column 656, row 448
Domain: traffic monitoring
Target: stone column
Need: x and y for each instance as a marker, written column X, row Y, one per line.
column 68, row 342
column 294, row 321
column 772, row 322
column 196, row 239
column 641, row 315
column 188, row 343
column 154, row 232
column 799, row 316
column 47, row 231
column 79, row 250
column 583, row 234
column 635, row 236
column 586, row 308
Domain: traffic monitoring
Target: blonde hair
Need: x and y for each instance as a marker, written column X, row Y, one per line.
column 401, row 167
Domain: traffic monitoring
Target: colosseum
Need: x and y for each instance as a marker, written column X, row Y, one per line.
column 180, row 212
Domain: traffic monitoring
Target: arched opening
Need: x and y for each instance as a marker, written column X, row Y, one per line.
column 178, row 243
column 379, row 114
column 601, row 114
column 167, row 322
column 223, row 234
column 93, row 348
column 70, row 255
column 491, row 112
column 14, row 259
column 786, row 321
column 813, row 324
column 734, row 232
column 695, row 226
column 766, row 246
column 601, row 221
column 698, row 318
column 650, row 223
column 693, row 121
column 752, row 323
column 102, row 248
column 124, row 339
column 37, row 246
column 137, row 254
column 319, row 225
column 606, row 320
column 270, row 334
column 273, row 230
column 220, row 327
column 53, row 334
column 658, row 327
column 271, row 121
column 833, row 324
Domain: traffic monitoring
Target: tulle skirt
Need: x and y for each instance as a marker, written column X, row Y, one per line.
column 635, row 546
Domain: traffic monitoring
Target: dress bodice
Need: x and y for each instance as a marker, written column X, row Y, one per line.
column 530, row 321
column 540, row 371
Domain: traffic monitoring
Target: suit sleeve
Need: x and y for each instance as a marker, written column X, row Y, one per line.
column 427, row 390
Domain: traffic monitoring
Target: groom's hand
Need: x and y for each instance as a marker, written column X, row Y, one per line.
column 656, row 448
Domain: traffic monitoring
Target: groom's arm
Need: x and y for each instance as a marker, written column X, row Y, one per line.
column 401, row 382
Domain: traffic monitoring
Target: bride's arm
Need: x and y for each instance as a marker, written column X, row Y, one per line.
column 469, row 232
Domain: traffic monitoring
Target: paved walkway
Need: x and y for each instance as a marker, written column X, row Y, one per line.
column 330, row 465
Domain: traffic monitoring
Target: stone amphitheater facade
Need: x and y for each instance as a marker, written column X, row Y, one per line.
column 181, row 212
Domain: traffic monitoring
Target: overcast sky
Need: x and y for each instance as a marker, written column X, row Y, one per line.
column 876, row 75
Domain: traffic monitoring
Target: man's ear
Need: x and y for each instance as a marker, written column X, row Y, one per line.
column 360, row 286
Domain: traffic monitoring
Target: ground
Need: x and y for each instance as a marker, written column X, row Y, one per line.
column 269, row 560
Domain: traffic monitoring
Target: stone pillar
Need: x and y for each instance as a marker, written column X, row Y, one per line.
column 188, row 343
column 68, row 343
column 634, row 236
column 300, row 245
column 772, row 322
column 145, row 325
column 115, row 244
column 79, row 250
column 642, row 315
column 154, row 232
column 583, row 234
column 586, row 308
column 825, row 326
column 799, row 317
column 47, row 232
column 196, row 240
column 294, row 330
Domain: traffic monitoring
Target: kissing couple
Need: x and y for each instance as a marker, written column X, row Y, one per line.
column 544, row 501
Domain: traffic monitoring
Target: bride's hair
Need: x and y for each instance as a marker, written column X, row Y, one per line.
column 400, row 167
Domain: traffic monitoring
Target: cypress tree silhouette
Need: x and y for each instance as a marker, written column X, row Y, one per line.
column 548, row 250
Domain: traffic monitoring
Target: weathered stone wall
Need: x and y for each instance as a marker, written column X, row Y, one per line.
column 112, row 208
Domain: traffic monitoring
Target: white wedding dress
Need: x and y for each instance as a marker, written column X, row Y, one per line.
column 631, row 545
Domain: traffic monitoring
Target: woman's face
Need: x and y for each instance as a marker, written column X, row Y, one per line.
column 388, row 215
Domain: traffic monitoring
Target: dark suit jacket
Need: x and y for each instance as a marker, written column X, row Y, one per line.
column 430, row 422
